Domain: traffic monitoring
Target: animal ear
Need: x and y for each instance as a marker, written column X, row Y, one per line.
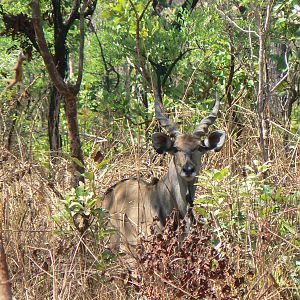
column 215, row 141
column 162, row 142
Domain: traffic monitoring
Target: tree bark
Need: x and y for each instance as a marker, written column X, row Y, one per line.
column 73, row 131
column 263, row 93
column 261, row 103
column 60, row 60
column 56, row 73
column 237, row 126
column 53, row 124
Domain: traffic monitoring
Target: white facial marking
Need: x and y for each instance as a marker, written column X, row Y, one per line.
column 188, row 177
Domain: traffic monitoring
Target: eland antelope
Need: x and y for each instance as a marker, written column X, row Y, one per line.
column 133, row 203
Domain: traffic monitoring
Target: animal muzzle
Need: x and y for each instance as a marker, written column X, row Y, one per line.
column 188, row 172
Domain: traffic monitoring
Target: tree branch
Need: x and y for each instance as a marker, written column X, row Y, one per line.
column 81, row 47
column 107, row 65
column 144, row 10
column 176, row 60
column 262, row 97
column 235, row 24
column 73, row 14
column 76, row 15
column 138, row 43
column 228, row 86
column 57, row 16
column 186, row 6
column 44, row 50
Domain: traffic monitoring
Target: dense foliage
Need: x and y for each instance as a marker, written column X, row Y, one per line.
column 190, row 52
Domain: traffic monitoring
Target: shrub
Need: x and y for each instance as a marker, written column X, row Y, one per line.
column 189, row 266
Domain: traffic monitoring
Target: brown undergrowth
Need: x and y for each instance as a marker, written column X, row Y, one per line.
column 195, row 267
column 245, row 247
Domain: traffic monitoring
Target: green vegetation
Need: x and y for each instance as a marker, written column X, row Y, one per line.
column 56, row 162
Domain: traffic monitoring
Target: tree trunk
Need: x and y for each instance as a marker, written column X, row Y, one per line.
column 73, row 131
column 57, row 67
column 291, row 98
column 236, row 125
column 263, row 123
column 263, row 96
column 61, row 61
column 53, row 124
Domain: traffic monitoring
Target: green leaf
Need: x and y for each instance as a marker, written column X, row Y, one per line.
column 89, row 175
column 103, row 163
column 282, row 87
column 263, row 168
column 77, row 161
column 253, row 231
column 76, row 204
column 202, row 198
column 256, row 162
column 201, row 211
column 106, row 14
column 289, row 228
column 220, row 175
column 267, row 189
column 118, row 8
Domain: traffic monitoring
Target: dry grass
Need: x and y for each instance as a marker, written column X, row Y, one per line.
column 49, row 259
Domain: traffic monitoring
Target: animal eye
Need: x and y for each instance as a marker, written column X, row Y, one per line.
column 201, row 147
column 174, row 149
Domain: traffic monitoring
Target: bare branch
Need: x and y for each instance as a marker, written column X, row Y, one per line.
column 73, row 14
column 18, row 72
column 228, row 86
column 144, row 10
column 107, row 65
column 176, row 60
column 267, row 21
column 44, row 50
column 159, row 109
column 100, row 45
column 76, row 15
column 81, row 46
column 262, row 98
column 138, row 42
column 235, row 24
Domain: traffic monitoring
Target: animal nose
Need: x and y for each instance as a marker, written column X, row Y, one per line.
column 188, row 169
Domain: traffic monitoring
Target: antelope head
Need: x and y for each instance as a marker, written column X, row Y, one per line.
column 187, row 149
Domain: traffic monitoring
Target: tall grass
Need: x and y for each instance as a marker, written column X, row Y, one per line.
column 250, row 211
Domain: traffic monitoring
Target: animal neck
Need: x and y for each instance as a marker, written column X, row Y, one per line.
column 177, row 192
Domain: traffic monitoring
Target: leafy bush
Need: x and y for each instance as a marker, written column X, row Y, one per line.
column 191, row 268
column 81, row 208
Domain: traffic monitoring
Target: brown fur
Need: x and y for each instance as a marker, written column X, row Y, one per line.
column 186, row 142
column 133, row 203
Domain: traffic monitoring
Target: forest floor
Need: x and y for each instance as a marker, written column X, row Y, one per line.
column 251, row 209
